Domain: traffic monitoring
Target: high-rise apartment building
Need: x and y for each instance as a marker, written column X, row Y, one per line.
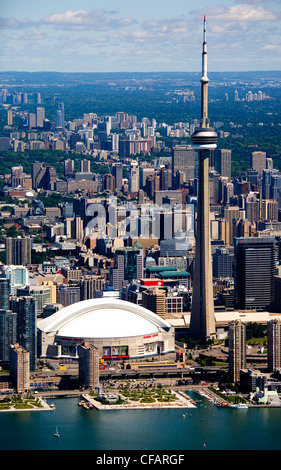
column 37, row 173
column 114, row 142
column 40, row 293
column 43, row 177
column 8, row 333
column 38, row 98
column 73, row 228
column 32, row 120
column 236, row 349
column 18, row 251
column 25, row 307
column 68, row 295
column 17, row 176
column 20, row 368
column 10, row 117
column 134, row 178
column 85, row 166
column 108, row 183
column 255, row 264
column 40, row 117
column 274, row 344
column 88, row 363
column 89, row 284
column 68, row 167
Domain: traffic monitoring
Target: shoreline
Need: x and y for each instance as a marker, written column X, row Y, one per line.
column 44, row 407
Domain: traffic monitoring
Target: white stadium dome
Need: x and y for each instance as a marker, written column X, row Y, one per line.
column 108, row 324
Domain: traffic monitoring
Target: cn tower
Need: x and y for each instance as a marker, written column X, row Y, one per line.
column 202, row 320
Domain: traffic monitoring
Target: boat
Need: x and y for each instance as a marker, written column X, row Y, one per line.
column 240, row 406
column 56, row 434
column 52, row 406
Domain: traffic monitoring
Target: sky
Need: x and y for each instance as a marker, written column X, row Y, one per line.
column 139, row 36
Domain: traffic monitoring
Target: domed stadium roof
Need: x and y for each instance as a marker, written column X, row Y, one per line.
column 103, row 318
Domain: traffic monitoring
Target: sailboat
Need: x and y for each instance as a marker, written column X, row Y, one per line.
column 56, row 434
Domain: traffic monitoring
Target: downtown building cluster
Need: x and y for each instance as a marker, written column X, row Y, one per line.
column 130, row 233
column 155, row 271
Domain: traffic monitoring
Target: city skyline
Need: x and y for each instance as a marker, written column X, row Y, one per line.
column 244, row 36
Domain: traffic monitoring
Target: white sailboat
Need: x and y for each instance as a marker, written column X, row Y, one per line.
column 56, row 434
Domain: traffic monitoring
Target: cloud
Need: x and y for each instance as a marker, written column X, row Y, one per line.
column 29, row 36
column 272, row 47
column 243, row 12
column 87, row 20
column 166, row 30
column 250, row 2
column 13, row 23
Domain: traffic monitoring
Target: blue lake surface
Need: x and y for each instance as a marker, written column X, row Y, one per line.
column 206, row 427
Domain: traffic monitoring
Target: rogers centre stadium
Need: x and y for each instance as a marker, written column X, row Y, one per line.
column 119, row 329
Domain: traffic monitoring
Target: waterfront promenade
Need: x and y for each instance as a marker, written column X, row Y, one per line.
column 39, row 405
column 181, row 400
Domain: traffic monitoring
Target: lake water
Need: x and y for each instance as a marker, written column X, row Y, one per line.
column 206, row 427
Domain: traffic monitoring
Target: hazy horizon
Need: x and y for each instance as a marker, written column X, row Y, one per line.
column 155, row 36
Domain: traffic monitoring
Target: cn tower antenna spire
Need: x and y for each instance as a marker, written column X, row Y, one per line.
column 204, row 82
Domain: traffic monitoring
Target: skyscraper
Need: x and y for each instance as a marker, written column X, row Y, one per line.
column 40, row 116
column 255, row 263
column 222, row 263
column 154, row 299
column 223, row 161
column 8, row 333
column 183, row 160
column 204, row 138
column 258, row 161
column 117, row 172
column 60, row 116
column 128, row 266
column 25, row 307
column 4, row 293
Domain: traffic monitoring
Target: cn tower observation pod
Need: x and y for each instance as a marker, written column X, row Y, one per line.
column 119, row 329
